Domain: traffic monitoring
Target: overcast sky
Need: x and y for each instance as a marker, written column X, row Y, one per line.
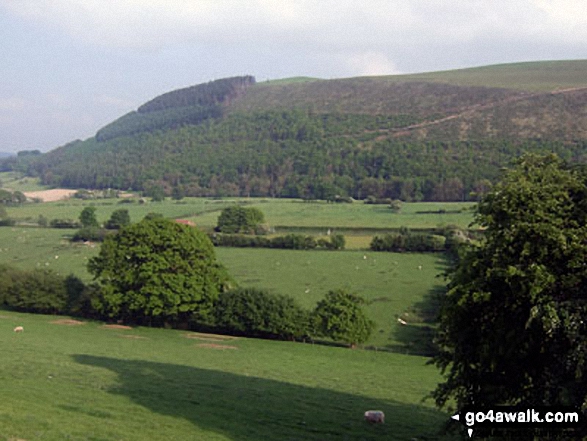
column 67, row 67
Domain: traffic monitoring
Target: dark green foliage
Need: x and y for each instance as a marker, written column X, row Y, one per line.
column 294, row 242
column 256, row 313
column 158, row 271
column 43, row 221
column 340, row 317
column 513, row 328
column 290, row 241
column 7, row 222
column 88, row 217
column 43, row 291
column 238, row 219
column 191, row 105
column 212, row 93
column 92, row 234
column 374, row 200
column 33, row 291
column 118, row 219
column 412, row 242
column 11, row 198
column 64, row 223
column 288, row 154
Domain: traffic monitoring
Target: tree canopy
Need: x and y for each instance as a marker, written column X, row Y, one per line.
column 513, row 328
column 158, row 271
column 339, row 316
column 237, row 219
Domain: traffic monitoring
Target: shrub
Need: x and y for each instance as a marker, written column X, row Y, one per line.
column 92, row 234
column 237, row 219
column 64, row 223
column 256, row 313
column 340, row 317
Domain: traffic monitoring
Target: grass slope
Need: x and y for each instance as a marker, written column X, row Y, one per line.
column 87, row 383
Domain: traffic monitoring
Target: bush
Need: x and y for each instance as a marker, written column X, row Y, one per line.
column 118, row 219
column 92, row 234
column 243, row 220
column 340, row 317
column 43, row 291
column 7, row 222
column 64, row 223
column 408, row 242
column 256, row 313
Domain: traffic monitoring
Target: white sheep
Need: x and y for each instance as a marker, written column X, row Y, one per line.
column 18, row 329
column 375, row 416
column 402, row 322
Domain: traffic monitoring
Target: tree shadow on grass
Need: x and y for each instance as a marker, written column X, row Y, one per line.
column 247, row 408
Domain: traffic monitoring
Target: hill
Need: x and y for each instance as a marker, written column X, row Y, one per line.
column 434, row 136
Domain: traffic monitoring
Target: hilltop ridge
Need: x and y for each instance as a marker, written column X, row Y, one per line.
column 432, row 136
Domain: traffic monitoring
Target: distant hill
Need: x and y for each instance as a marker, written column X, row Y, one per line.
column 6, row 154
column 432, row 136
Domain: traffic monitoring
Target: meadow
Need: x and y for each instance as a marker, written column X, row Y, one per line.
column 392, row 284
column 283, row 215
column 88, row 382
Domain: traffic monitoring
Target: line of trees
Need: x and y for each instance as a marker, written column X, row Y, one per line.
column 287, row 153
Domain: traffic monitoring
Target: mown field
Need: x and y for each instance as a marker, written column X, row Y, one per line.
column 86, row 382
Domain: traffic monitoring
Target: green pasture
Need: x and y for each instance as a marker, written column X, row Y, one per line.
column 288, row 214
column 86, row 382
column 393, row 285
column 71, row 209
column 282, row 214
column 50, row 248
column 538, row 76
column 15, row 181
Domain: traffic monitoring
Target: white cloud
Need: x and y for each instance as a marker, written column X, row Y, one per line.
column 155, row 23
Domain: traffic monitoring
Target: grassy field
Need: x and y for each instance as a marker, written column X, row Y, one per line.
column 86, row 382
column 15, row 181
column 282, row 214
column 287, row 214
column 392, row 283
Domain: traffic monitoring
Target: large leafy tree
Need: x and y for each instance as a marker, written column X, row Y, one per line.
column 158, row 271
column 513, row 326
column 237, row 219
column 340, row 316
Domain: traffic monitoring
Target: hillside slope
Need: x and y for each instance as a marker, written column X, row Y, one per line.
column 434, row 136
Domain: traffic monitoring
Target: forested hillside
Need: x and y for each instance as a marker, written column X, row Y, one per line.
column 438, row 136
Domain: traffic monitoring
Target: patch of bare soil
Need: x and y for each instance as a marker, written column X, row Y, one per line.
column 67, row 322
column 214, row 346
column 134, row 337
column 209, row 337
column 55, row 194
column 115, row 327
column 4, row 317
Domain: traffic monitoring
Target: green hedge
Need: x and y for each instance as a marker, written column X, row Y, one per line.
column 289, row 241
column 256, row 313
column 409, row 242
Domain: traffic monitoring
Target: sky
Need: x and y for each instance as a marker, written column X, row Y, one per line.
column 68, row 67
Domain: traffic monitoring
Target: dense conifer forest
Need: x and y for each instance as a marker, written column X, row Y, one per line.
column 410, row 138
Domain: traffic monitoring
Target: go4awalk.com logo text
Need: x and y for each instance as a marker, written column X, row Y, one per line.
column 516, row 418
